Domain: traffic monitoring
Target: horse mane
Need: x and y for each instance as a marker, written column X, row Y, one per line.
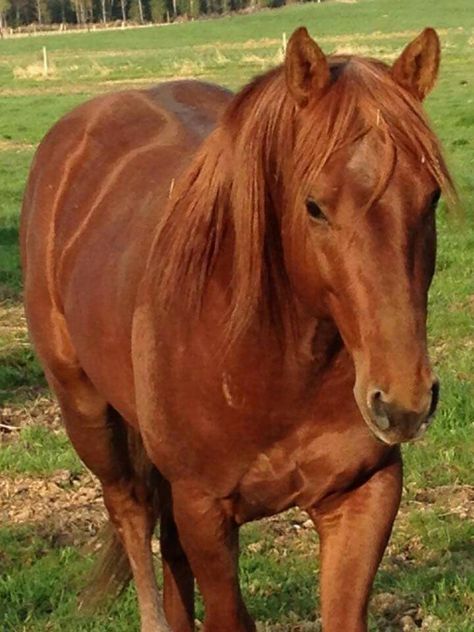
column 233, row 191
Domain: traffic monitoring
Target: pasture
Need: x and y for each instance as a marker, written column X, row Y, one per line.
column 50, row 508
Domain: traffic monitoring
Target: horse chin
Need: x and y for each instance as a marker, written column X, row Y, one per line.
column 393, row 436
column 422, row 429
column 387, row 438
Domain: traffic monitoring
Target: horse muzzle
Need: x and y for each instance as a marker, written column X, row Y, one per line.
column 394, row 423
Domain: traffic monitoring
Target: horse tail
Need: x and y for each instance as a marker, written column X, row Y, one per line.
column 112, row 572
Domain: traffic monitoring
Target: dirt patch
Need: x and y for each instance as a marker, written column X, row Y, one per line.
column 35, row 71
column 9, row 145
column 396, row 613
column 42, row 410
column 65, row 500
column 68, row 508
column 364, row 51
column 350, row 38
column 69, row 511
column 265, row 42
column 456, row 500
column 12, row 316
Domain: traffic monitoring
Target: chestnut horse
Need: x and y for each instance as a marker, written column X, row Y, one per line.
column 228, row 295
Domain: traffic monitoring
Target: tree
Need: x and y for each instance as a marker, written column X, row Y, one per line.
column 194, row 9
column 80, row 11
column 42, row 12
column 136, row 11
column 4, row 8
column 60, row 11
column 158, row 10
column 182, row 7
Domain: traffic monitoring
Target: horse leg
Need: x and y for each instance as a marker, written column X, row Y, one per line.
column 210, row 539
column 178, row 578
column 99, row 436
column 134, row 521
column 354, row 530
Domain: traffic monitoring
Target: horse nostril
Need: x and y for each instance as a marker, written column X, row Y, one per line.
column 434, row 398
column 376, row 401
column 379, row 408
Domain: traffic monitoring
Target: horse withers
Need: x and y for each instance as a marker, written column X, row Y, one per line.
column 228, row 295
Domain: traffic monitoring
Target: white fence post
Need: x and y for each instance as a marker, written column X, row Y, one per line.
column 45, row 62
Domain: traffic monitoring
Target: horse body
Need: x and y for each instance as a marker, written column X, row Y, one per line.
column 174, row 300
column 94, row 248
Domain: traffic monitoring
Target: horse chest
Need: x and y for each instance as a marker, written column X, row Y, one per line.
column 301, row 471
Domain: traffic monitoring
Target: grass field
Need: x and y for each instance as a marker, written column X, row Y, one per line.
column 50, row 508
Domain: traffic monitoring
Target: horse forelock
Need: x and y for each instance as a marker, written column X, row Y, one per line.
column 233, row 186
column 364, row 97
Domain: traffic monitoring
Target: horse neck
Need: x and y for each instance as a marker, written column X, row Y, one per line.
column 283, row 337
column 222, row 232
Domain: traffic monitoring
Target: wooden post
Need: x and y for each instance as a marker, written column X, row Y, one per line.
column 283, row 43
column 45, row 62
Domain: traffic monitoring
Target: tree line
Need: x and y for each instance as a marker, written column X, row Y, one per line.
column 17, row 13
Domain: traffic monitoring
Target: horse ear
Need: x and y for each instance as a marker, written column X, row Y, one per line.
column 417, row 67
column 306, row 67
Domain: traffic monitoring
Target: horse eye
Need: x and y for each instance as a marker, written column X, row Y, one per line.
column 314, row 210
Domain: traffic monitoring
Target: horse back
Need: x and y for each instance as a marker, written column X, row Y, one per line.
column 98, row 183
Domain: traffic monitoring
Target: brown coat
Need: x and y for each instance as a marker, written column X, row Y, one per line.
column 228, row 296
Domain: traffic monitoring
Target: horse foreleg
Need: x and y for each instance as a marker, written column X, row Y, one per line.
column 178, row 578
column 354, row 531
column 210, row 538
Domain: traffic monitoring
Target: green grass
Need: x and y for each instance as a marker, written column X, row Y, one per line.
column 14, row 165
column 39, row 450
column 439, row 575
column 40, row 581
column 38, row 113
column 18, row 369
column 428, row 564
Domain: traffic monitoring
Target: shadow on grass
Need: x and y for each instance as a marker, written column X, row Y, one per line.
column 20, row 374
column 10, row 270
column 21, row 377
